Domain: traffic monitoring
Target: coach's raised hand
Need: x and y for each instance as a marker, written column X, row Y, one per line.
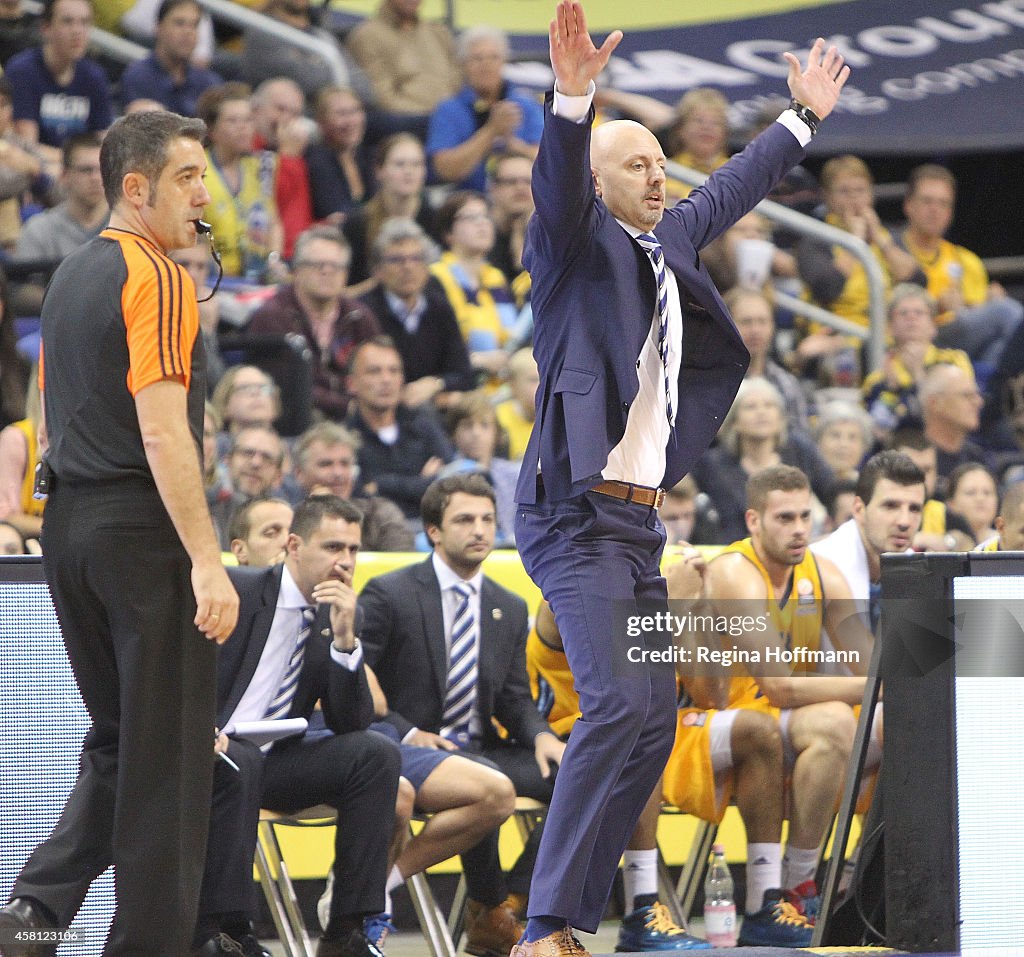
column 819, row 85
column 574, row 58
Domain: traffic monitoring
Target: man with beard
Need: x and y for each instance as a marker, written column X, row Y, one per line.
column 887, row 508
column 773, row 570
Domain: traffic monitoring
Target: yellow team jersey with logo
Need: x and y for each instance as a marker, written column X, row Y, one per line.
column 30, row 505
column 952, row 267
column 241, row 221
column 796, row 615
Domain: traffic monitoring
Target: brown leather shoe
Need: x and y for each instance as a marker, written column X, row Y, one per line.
column 561, row 943
column 517, row 904
column 491, row 931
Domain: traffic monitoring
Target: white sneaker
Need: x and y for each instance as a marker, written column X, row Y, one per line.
column 323, row 906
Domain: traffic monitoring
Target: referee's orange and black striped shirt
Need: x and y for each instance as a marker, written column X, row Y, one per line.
column 118, row 316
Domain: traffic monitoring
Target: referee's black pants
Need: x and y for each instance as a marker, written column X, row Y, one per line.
column 120, row 582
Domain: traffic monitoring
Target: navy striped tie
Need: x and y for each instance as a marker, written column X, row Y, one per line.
column 281, row 703
column 652, row 247
column 460, row 695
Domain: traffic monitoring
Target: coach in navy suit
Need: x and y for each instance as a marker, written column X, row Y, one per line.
column 639, row 362
column 274, row 665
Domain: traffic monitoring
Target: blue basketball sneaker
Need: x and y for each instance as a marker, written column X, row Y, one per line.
column 651, row 928
column 777, row 924
column 377, row 927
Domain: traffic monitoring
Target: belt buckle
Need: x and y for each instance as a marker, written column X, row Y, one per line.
column 659, row 497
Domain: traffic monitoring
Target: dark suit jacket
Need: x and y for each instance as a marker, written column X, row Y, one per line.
column 345, row 694
column 436, row 348
column 404, row 641
column 593, row 299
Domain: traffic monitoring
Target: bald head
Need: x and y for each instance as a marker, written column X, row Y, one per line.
column 617, row 136
column 628, row 166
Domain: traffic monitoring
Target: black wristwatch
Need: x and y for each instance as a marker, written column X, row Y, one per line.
column 806, row 114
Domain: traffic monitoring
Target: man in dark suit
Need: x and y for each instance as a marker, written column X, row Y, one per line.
column 414, row 311
column 639, row 361
column 294, row 645
column 448, row 646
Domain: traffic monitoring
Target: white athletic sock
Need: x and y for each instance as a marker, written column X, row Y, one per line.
column 395, row 879
column 639, row 875
column 798, row 865
column 764, row 870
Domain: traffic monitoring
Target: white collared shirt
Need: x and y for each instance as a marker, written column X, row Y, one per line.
column 277, row 653
column 410, row 318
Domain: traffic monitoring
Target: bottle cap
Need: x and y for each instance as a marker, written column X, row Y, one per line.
column 717, row 848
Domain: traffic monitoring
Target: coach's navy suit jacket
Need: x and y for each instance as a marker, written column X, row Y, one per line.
column 594, row 298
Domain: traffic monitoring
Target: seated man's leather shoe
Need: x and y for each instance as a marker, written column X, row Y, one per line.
column 561, row 943
column 23, row 913
column 491, row 931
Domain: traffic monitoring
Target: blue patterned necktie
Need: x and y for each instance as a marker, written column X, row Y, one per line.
column 460, row 695
column 281, row 703
column 652, row 247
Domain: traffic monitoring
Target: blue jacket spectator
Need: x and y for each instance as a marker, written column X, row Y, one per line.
column 486, row 116
column 167, row 74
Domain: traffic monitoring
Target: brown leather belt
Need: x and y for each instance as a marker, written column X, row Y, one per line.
column 635, row 494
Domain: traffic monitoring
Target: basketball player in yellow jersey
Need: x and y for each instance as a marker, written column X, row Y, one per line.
column 815, row 713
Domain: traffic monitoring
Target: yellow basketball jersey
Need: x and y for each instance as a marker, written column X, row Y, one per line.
column 796, row 614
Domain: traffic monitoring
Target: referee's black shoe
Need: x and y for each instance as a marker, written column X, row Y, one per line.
column 24, row 913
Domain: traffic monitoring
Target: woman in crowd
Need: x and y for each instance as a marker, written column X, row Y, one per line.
column 244, row 396
column 973, row 494
column 699, row 137
column 753, row 436
column 844, row 437
column 241, row 210
column 474, row 430
column 400, row 171
column 754, row 316
column 478, row 292
column 835, row 277
column 340, row 168
column 890, row 393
